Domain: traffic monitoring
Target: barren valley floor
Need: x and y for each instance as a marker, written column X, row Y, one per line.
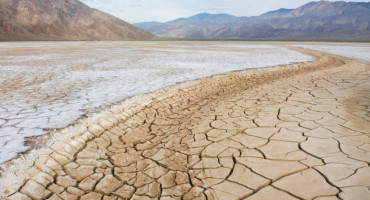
column 300, row 131
column 49, row 85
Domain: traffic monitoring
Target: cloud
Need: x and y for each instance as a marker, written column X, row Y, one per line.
column 164, row 10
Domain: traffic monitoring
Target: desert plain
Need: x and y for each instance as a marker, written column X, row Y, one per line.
column 229, row 120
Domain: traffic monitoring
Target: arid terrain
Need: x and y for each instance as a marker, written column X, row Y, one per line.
column 207, row 107
column 295, row 131
column 50, row 85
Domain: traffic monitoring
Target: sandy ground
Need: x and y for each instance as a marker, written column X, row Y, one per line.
column 290, row 132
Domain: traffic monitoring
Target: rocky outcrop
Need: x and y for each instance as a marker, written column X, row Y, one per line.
column 62, row 20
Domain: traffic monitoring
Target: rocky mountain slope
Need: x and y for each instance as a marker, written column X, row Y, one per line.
column 62, row 20
column 321, row 20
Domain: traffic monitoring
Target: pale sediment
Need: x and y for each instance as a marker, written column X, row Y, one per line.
column 291, row 132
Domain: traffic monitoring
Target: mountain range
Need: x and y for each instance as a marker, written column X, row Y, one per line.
column 62, row 20
column 322, row 20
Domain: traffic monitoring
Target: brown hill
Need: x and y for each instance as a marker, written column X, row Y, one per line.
column 62, row 20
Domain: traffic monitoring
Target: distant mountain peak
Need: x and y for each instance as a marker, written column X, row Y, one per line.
column 208, row 18
column 319, row 20
column 203, row 14
column 276, row 13
column 206, row 14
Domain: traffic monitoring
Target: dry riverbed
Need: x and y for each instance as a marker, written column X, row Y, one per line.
column 291, row 132
column 49, row 85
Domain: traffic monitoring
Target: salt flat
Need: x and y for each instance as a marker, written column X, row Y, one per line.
column 49, row 85
column 360, row 51
column 298, row 131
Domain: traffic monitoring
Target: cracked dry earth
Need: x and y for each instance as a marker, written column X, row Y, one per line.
column 295, row 132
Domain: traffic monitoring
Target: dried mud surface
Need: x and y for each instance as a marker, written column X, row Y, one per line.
column 293, row 132
column 50, row 85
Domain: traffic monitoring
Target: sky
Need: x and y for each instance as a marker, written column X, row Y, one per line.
column 134, row 11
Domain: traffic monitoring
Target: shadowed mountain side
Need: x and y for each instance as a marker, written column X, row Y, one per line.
column 62, row 20
column 321, row 20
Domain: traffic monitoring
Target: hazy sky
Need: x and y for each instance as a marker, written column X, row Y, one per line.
column 164, row 10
